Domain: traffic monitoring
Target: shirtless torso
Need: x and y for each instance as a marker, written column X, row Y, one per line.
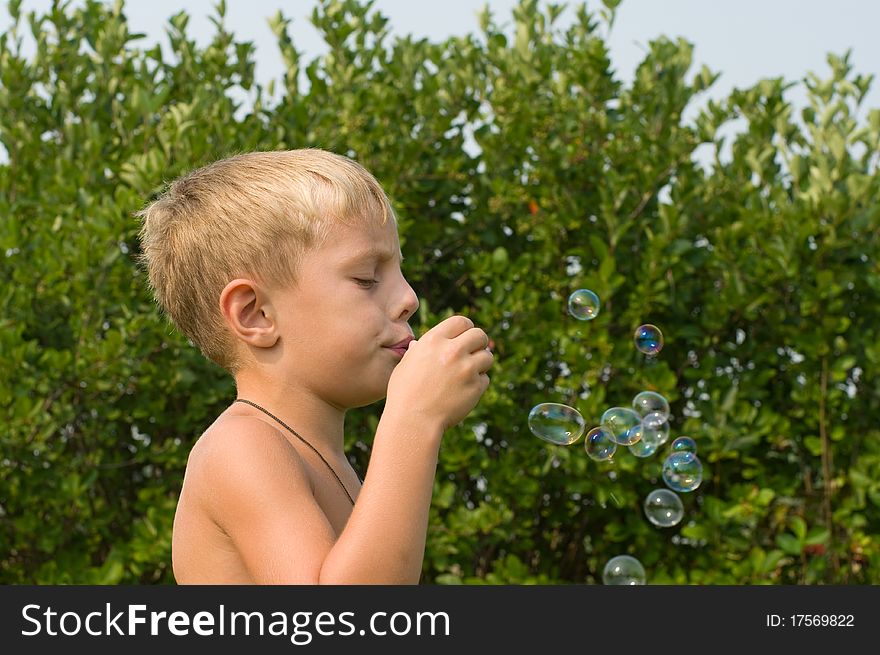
column 202, row 552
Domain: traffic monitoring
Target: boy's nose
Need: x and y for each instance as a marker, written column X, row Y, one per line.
column 411, row 303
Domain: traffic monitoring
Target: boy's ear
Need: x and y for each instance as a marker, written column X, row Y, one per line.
column 242, row 303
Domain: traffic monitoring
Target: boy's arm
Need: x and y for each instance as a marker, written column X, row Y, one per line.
column 384, row 540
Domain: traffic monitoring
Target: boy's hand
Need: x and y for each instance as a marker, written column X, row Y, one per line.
column 443, row 374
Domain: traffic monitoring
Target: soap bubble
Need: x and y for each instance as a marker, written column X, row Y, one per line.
column 655, row 434
column 682, row 471
column 623, row 570
column 556, row 423
column 663, row 508
column 583, row 304
column 654, row 419
column 642, row 448
column 599, row 444
column 652, row 407
column 684, row 445
column 624, row 425
column 648, row 339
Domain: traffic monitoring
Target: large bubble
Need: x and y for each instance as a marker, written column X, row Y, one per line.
column 556, row 423
column 682, row 471
column 583, row 304
column 624, row 424
column 623, row 570
column 663, row 508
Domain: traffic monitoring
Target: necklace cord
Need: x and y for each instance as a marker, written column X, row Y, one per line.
column 298, row 436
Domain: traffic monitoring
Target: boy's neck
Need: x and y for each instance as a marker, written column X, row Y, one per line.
column 314, row 419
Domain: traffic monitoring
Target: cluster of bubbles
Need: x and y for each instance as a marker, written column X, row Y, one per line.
column 642, row 428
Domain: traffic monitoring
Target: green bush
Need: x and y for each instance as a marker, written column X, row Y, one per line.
column 521, row 169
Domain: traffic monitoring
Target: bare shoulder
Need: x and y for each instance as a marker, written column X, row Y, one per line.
column 236, row 446
column 254, row 486
column 239, row 435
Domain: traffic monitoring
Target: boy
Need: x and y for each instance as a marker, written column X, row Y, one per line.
column 284, row 268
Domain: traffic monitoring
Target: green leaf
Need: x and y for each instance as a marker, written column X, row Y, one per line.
column 765, row 496
column 798, row 526
column 859, row 479
column 729, row 400
column 817, row 535
column 789, row 544
column 813, row 445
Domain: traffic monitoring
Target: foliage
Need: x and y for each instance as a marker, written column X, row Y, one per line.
column 521, row 169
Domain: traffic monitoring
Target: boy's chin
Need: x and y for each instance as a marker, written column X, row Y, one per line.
column 370, row 400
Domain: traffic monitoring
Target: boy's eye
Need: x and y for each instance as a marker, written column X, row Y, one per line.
column 366, row 283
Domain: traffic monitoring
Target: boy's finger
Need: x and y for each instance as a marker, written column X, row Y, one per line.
column 453, row 326
column 487, row 361
column 475, row 339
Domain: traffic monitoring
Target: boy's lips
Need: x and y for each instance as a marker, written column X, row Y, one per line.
column 402, row 344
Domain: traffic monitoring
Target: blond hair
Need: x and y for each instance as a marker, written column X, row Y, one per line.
column 254, row 214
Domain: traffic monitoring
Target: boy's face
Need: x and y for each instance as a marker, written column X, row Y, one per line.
column 351, row 302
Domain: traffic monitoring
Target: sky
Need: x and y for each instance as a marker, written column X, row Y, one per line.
column 745, row 40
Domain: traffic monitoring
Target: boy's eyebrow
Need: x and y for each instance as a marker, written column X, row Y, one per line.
column 373, row 253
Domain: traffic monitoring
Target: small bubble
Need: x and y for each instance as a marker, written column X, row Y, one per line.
column 651, row 407
column 684, row 445
column 623, row 570
column 663, row 508
column 654, row 420
column 642, row 448
column 599, row 444
column 624, row 425
column 648, row 339
column 682, row 471
column 652, row 437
